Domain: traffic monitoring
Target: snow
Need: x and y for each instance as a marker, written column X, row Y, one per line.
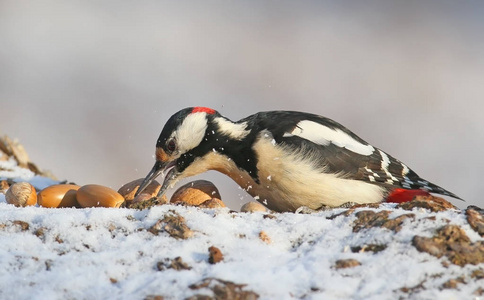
column 107, row 253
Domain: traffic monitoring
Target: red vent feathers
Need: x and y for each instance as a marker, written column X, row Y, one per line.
column 403, row 195
column 203, row 109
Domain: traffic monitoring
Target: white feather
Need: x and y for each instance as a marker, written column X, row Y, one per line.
column 237, row 131
column 384, row 165
column 322, row 135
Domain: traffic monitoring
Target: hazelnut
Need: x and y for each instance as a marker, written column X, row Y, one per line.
column 70, row 199
column 253, row 207
column 195, row 193
column 21, row 194
column 59, row 195
column 93, row 195
column 129, row 189
column 212, row 203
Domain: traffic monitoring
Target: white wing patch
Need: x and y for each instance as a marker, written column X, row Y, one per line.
column 237, row 131
column 322, row 135
column 405, row 170
column 385, row 162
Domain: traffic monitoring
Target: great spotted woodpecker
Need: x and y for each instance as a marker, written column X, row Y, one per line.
column 284, row 159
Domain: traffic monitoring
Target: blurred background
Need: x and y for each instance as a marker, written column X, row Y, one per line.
column 86, row 86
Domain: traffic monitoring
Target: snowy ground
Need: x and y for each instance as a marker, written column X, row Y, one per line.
column 104, row 253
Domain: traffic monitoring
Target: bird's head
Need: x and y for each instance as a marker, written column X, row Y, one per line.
column 186, row 137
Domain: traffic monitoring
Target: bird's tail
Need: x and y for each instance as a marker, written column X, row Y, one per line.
column 417, row 188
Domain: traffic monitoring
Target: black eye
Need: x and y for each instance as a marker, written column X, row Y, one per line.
column 171, row 146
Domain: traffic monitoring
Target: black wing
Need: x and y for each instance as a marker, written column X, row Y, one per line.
column 377, row 168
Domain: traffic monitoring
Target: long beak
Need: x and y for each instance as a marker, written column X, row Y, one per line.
column 159, row 168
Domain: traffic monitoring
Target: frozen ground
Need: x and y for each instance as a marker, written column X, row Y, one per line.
column 103, row 253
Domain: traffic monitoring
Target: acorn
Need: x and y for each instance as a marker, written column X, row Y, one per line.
column 195, row 193
column 129, row 189
column 59, row 195
column 253, row 207
column 93, row 195
column 21, row 194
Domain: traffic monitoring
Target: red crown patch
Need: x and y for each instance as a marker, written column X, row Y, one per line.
column 203, row 109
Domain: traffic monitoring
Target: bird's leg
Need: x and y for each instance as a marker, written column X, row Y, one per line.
column 307, row 210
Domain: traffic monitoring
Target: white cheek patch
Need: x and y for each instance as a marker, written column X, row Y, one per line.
column 191, row 131
column 322, row 135
column 236, row 131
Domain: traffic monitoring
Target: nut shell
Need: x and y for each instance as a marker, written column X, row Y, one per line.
column 59, row 195
column 129, row 189
column 195, row 193
column 253, row 207
column 93, row 195
column 70, row 199
column 21, row 194
column 212, row 203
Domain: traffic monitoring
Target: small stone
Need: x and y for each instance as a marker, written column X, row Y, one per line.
column 222, row 289
column 451, row 241
column 479, row 291
column 48, row 264
column 413, row 289
column 269, row 216
column 174, row 225
column 176, row 264
column 431, row 203
column 215, row 255
column 24, row 226
column 154, row 297
column 58, row 239
column 396, row 224
column 346, row 263
column 477, row 274
column 375, row 248
column 40, row 233
column 368, row 219
column 264, row 237
column 424, row 244
column 475, row 218
column 453, row 283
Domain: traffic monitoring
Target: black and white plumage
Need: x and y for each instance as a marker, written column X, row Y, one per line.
column 284, row 159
